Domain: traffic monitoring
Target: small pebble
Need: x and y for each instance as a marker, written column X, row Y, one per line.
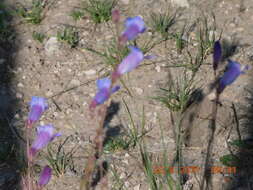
column 49, row 93
column 211, row 96
column 90, row 72
column 20, row 85
column 75, row 82
column 158, row 69
column 19, row 95
column 139, row 91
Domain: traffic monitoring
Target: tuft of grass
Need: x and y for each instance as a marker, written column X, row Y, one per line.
column 111, row 54
column 162, row 22
column 155, row 179
column 77, row 14
column 229, row 160
column 118, row 182
column 177, row 96
column 99, row 10
column 69, row 35
column 180, row 41
column 117, row 143
column 33, row 15
column 59, row 159
column 206, row 34
column 37, row 36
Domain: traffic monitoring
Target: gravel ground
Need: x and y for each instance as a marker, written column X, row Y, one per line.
column 66, row 76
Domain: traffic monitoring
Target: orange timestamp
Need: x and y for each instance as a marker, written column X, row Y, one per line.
column 194, row 169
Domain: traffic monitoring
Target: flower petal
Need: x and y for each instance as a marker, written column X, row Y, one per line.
column 131, row 61
column 115, row 89
column 138, row 21
column 104, row 83
column 102, row 96
column 45, row 134
column 233, row 71
column 133, row 26
column 45, row 176
column 38, row 105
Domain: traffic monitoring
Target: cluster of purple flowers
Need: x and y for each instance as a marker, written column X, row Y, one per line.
column 232, row 72
column 45, row 134
column 133, row 27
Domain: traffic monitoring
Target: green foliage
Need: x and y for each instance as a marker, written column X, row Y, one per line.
column 229, row 160
column 99, row 10
column 177, row 96
column 155, row 180
column 38, row 36
column 162, row 23
column 69, row 35
column 206, row 34
column 241, row 144
column 180, row 42
column 59, row 159
column 33, row 15
column 77, row 14
column 117, row 143
column 112, row 54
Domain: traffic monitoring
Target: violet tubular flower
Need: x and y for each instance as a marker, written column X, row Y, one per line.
column 129, row 63
column 133, row 26
column 45, row 176
column 104, row 91
column 217, row 55
column 45, row 134
column 233, row 71
column 38, row 106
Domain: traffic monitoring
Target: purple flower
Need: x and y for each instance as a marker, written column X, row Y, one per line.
column 45, row 176
column 45, row 134
column 38, row 105
column 233, row 70
column 217, row 54
column 133, row 26
column 129, row 63
column 104, row 91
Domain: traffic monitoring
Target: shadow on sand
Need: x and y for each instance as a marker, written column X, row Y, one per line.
column 9, row 138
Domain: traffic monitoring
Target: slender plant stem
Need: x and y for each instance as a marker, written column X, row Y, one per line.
column 178, row 148
column 28, row 156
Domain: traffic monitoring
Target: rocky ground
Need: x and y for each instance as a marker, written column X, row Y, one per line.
column 66, row 76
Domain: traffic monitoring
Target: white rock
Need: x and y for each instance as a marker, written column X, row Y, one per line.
column 158, row 68
column 20, row 85
column 75, row 82
column 137, row 187
column 17, row 116
column 139, row 91
column 211, row 96
column 181, row 3
column 52, row 46
column 90, row 72
column 49, row 93
column 19, row 95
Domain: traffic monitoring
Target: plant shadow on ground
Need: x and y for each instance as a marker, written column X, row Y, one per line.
column 243, row 178
column 111, row 132
column 10, row 138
